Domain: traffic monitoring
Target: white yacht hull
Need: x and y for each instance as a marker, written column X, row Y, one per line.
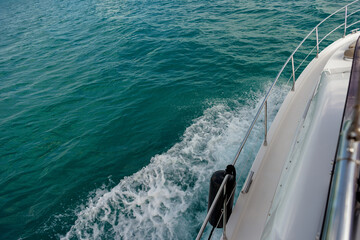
column 295, row 165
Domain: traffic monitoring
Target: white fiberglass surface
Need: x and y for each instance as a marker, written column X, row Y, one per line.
column 280, row 186
column 299, row 203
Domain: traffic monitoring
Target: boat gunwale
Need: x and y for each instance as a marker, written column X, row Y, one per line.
column 269, row 91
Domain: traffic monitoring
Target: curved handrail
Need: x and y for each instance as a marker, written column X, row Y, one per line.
column 285, row 64
column 264, row 102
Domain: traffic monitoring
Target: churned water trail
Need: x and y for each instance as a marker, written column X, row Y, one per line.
column 113, row 113
column 165, row 199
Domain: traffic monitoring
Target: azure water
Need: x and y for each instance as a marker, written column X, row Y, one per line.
column 113, row 113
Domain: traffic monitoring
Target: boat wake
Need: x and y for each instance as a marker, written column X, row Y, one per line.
column 167, row 198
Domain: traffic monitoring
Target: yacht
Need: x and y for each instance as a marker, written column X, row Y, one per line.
column 304, row 182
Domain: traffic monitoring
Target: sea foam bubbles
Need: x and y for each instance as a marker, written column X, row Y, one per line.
column 167, row 198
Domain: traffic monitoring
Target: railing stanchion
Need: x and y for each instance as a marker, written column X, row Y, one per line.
column 317, row 42
column 222, row 188
column 345, row 21
column 293, row 72
column 224, row 215
column 265, row 124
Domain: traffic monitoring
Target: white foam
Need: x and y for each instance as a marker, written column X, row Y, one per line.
column 167, row 199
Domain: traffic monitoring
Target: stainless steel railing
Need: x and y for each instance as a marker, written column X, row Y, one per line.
column 263, row 105
column 339, row 221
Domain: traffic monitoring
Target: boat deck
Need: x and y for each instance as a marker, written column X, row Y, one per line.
column 253, row 209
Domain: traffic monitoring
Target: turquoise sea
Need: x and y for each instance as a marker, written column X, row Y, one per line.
column 114, row 113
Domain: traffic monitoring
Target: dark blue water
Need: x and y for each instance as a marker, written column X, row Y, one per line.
column 113, row 113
